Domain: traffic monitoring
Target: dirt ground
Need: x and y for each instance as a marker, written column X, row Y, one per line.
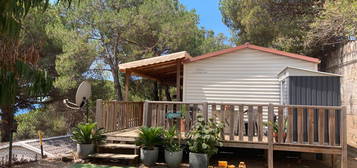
column 253, row 159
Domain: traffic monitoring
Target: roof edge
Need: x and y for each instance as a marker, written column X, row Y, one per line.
column 307, row 70
column 254, row 47
column 186, row 56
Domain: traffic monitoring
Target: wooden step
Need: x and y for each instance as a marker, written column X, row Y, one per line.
column 114, row 156
column 121, row 139
column 122, row 146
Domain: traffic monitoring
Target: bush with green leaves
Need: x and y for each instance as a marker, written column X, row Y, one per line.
column 204, row 137
column 150, row 137
column 171, row 142
column 88, row 133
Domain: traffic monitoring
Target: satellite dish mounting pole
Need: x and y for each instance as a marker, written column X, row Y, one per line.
column 87, row 110
column 85, row 104
column 82, row 99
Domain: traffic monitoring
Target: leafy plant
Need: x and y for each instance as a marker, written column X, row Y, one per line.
column 88, row 133
column 275, row 125
column 150, row 137
column 183, row 110
column 205, row 136
column 170, row 142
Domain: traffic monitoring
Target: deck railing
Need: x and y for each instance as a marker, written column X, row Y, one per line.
column 119, row 115
column 317, row 129
column 286, row 124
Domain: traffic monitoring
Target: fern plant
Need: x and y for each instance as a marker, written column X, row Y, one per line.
column 150, row 137
column 88, row 133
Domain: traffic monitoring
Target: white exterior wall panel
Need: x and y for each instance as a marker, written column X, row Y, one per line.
column 245, row 76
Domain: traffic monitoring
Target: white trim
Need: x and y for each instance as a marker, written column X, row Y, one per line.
column 306, row 70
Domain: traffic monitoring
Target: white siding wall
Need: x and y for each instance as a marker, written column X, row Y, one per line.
column 245, row 76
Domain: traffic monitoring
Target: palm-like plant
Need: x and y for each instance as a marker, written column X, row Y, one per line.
column 88, row 133
column 150, row 137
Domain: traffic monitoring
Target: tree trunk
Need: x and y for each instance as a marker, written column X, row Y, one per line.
column 6, row 122
column 117, row 86
column 167, row 93
column 155, row 92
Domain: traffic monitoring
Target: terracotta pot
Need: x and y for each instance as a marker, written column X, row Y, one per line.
column 276, row 136
column 183, row 125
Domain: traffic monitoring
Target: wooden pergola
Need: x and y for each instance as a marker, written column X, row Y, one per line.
column 166, row 69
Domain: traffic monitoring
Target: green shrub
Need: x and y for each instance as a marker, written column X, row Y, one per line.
column 88, row 133
column 170, row 141
column 204, row 137
column 150, row 137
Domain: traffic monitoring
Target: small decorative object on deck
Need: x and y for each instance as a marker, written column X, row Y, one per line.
column 222, row 164
column 231, row 166
column 172, row 115
column 242, row 165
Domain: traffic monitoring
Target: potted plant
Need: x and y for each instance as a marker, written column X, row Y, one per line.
column 173, row 151
column 202, row 141
column 87, row 135
column 275, row 126
column 149, row 139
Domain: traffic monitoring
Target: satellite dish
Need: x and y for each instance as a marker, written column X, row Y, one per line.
column 82, row 96
column 83, row 93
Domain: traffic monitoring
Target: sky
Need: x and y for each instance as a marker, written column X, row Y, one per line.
column 210, row 15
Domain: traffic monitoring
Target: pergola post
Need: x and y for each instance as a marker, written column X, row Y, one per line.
column 127, row 76
column 178, row 80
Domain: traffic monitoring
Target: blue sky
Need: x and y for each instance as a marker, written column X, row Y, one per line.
column 210, row 16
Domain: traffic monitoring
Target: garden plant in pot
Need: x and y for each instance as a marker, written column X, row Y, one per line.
column 202, row 141
column 173, row 151
column 87, row 135
column 275, row 126
column 149, row 139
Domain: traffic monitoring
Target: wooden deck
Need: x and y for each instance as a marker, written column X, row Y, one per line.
column 314, row 129
column 130, row 135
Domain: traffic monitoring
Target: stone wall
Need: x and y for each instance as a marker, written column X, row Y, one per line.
column 343, row 61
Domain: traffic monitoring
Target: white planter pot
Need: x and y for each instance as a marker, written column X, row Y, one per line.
column 83, row 150
column 173, row 159
column 149, row 157
column 198, row 160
